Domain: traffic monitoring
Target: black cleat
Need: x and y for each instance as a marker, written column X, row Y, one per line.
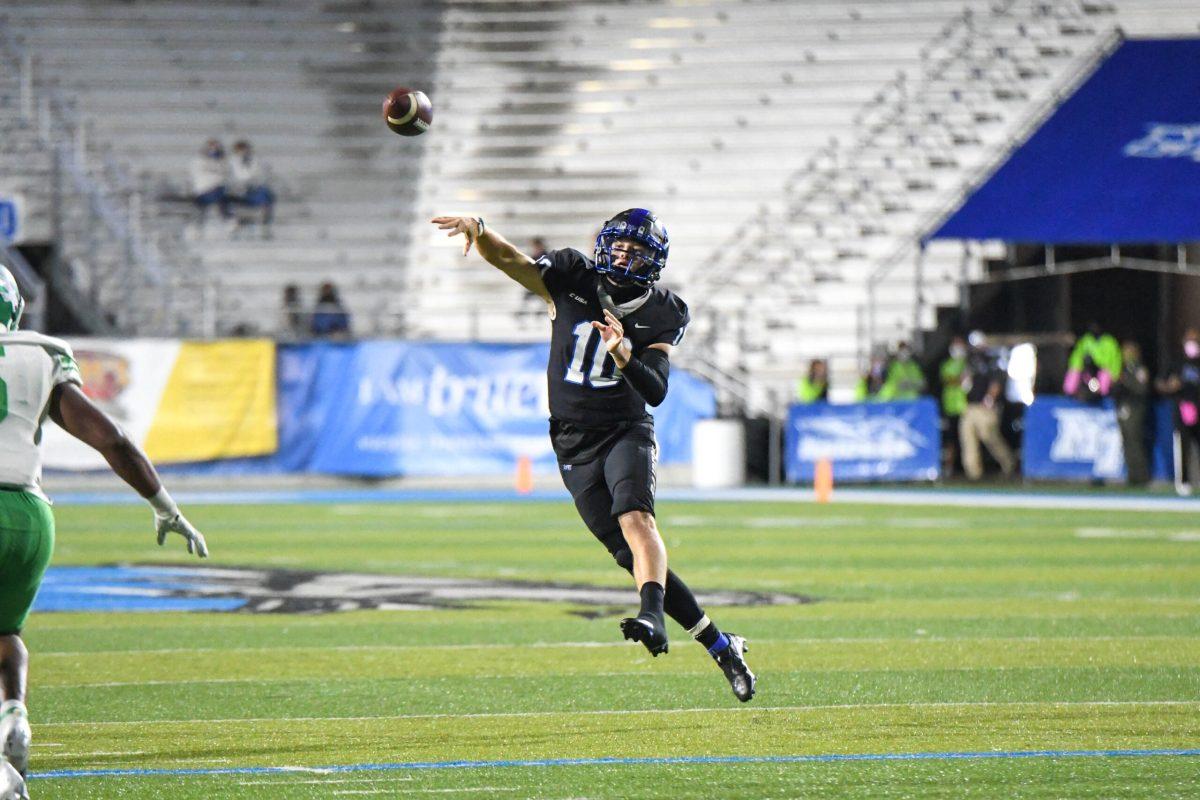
column 649, row 631
column 733, row 663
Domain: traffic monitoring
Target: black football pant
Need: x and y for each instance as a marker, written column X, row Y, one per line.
column 620, row 480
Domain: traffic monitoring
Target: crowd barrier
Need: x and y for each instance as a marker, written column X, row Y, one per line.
column 372, row 409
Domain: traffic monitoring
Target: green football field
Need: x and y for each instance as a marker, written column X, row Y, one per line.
column 941, row 652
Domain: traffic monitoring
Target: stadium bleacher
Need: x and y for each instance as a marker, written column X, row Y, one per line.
column 795, row 149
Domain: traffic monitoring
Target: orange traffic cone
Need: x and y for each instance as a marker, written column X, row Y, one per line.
column 823, row 480
column 524, row 482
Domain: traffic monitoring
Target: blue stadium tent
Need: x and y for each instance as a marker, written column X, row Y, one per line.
column 1117, row 163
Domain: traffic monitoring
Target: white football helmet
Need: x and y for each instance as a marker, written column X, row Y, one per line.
column 12, row 305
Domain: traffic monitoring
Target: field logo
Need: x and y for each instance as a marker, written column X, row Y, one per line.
column 260, row 591
column 1091, row 436
column 1167, row 141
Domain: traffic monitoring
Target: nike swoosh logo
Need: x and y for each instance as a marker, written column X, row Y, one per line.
column 636, row 325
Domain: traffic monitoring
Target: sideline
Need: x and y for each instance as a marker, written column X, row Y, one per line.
column 962, row 498
column 588, row 762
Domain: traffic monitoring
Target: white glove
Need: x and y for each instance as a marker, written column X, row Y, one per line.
column 167, row 519
column 179, row 524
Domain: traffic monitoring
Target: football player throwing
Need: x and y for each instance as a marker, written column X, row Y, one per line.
column 613, row 330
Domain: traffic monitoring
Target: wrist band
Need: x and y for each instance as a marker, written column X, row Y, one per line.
column 162, row 503
column 482, row 227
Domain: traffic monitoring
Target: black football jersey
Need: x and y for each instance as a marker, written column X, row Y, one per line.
column 586, row 388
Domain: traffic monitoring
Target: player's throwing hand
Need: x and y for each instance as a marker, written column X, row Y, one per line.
column 613, row 334
column 469, row 227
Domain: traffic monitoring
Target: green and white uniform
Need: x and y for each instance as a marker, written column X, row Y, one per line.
column 31, row 365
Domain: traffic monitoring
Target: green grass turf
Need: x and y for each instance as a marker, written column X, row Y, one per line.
column 934, row 630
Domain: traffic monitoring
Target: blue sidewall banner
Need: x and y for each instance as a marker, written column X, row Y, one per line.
column 895, row 441
column 1069, row 440
column 388, row 408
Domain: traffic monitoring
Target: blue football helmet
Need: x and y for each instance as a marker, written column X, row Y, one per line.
column 643, row 227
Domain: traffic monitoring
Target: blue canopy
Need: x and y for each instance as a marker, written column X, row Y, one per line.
column 1119, row 161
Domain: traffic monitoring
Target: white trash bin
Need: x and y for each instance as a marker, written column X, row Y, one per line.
column 718, row 453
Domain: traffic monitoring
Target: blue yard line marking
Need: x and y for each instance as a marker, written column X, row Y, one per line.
column 588, row 762
column 915, row 496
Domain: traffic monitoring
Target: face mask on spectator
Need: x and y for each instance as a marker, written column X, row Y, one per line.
column 1191, row 348
column 903, row 355
column 957, row 351
column 216, row 152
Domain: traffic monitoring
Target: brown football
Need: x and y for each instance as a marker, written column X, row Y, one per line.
column 408, row 112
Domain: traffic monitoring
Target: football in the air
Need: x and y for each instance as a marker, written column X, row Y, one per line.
column 408, row 112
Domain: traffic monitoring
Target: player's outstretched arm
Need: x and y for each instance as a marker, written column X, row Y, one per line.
column 496, row 250
column 78, row 416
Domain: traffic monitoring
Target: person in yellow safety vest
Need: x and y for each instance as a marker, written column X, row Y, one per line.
column 870, row 383
column 905, row 380
column 954, row 402
column 814, row 387
column 1094, row 364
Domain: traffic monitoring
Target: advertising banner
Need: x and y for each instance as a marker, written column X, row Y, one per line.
column 425, row 408
column 864, row 441
column 1069, row 440
column 181, row 401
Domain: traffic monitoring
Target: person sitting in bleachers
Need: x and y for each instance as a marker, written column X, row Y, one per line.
column 210, row 179
column 293, row 315
column 249, row 184
column 329, row 318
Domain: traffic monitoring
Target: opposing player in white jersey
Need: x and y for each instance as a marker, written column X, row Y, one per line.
column 39, row 378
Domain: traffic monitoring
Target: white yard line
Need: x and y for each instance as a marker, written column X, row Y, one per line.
column 815, row 640
column 643, row 711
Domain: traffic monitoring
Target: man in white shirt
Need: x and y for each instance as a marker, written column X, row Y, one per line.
column 249, row 184
column 209, row 175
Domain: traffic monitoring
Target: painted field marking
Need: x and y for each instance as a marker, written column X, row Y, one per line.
column 605, row 712
column 941, row 498
column 607, row 761
column 1152, row 534
column 809, row 641
column 329, row 781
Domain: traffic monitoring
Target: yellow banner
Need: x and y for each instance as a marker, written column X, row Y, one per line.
column 219, row 402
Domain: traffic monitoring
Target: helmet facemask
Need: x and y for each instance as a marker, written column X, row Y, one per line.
column 646, row 260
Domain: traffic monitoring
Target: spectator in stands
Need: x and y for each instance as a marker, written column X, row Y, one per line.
column 210, row 180
column 1132, row 393
column 1094, row 363
column 814, row 387
column 1182, row 383
column 954, row 401
column 249, row 184
column 905, row 380
column 293, row 323
column 871, row 382
column 329, row 316
column 980, row 421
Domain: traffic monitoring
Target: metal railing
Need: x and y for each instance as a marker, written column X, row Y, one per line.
column 98, row 190
column 914, row 246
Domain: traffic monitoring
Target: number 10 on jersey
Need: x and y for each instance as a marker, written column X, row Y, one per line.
column 591, row 372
